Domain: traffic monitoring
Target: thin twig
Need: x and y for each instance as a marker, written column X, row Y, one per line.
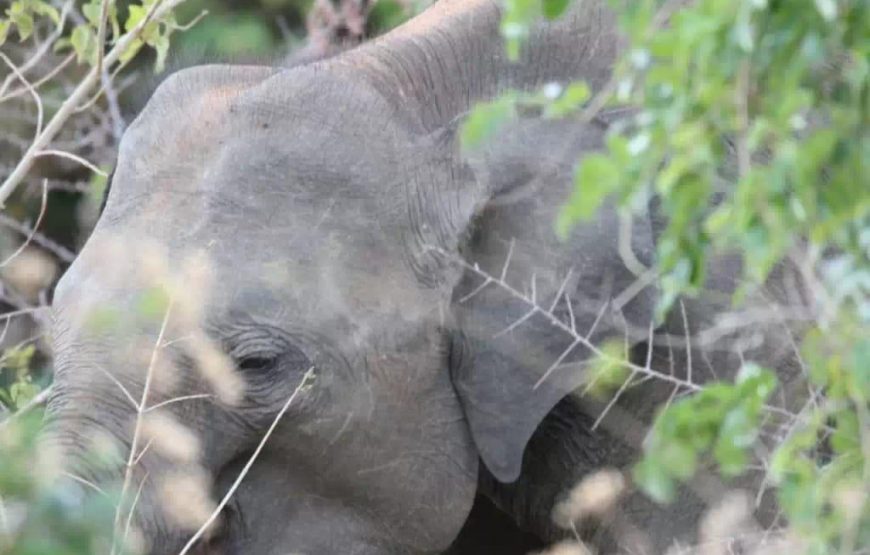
column 38, row 400
column 84, row 482
column 688, row 341
column 128, row 525
column 54, row 248
column 74, row 158
column 29, row 238
column 46, row 46
column 142, row 453
column 223, row 503
column 22, row 312
column 36, row 98
column 41, row 81
column 120, row 386
column 140, row 412
column 101, row 35
column 625, row 383
column 626, row 252
column 178, row 400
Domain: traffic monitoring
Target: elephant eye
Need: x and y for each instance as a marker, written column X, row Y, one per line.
column 256, row 364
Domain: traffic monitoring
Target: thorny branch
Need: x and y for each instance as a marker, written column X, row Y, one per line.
column 687, row 385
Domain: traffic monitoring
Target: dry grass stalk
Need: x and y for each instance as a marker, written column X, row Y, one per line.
column 170, row 438
column 566, row 548
column 137, row 427
column 595, row 495
column 185, row 499
column 303, row 383
column 726, row 521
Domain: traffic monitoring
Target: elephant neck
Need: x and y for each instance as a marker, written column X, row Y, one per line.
column 443, row 62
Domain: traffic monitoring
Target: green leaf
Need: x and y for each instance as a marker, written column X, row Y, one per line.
column 135, row 14
column 596, row 178
column 679, row 458
column 161, row 46
column 5, row 25
column 572, row 98
column 654, row 480
column 22, row 18
column 92, row 12
column 47, row 10
column 554, row 8
column 18, row 359
column 22, row 392
column 387, row 14
column 153, row 303
column 486, row 120
column 83, row 42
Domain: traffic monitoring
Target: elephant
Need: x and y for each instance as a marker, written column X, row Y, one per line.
column 365, row 266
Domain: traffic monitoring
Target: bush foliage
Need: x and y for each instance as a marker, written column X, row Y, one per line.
column 751, row 130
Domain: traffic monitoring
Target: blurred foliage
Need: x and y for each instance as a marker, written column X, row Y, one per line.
column 722, row 420
column 41, row 512
column 752, row 132
column 16, row 377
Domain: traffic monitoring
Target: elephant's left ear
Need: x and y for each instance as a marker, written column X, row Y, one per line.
column 465, row 211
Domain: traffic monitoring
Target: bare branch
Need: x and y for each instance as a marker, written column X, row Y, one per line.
column 56, row 249
column 157, row 10
column 223, row 503
column 123, row 389
column 41, row 81
column 74, row 158
column 36, row 98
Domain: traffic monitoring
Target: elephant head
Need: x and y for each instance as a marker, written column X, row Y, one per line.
column 339, row 223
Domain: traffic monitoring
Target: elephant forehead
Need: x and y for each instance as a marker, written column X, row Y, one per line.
column 257, row 147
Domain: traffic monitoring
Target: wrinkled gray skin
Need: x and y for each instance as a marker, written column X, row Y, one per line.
column 334, row 203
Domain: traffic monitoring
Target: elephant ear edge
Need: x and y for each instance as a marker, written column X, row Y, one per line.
column 511, row 362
